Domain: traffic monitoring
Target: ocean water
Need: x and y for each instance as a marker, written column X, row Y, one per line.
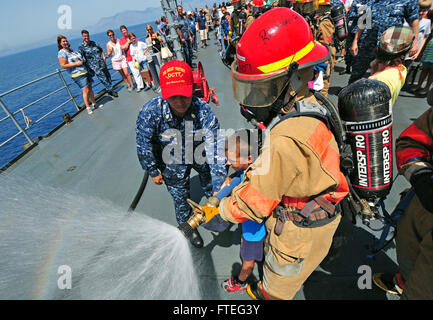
column 23, row 67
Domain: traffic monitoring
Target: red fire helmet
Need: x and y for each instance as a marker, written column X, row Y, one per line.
column 266, row 51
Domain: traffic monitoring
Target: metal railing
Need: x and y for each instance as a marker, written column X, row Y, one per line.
column 65, row 86
column 21, row 110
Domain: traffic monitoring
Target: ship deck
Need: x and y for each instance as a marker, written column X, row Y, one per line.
column 95, row 156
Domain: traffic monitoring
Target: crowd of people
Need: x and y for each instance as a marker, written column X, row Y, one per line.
column 288, row 219
column 129, row 56
column 414, row 14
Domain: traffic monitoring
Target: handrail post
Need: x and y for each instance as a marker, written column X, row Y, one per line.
column 16, row 123
column 67, row 89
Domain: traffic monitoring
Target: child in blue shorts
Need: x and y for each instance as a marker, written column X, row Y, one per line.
column 240, row 156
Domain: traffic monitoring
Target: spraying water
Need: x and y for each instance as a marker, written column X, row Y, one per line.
column 59, row 245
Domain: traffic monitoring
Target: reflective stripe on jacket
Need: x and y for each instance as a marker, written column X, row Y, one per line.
column 299, row 162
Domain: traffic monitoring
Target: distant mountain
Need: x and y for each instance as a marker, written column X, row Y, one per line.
column 131, row 18
column 128, row 18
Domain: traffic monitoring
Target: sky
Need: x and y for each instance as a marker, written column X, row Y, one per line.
column 28, row 21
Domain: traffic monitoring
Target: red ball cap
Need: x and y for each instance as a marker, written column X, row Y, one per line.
column 176, row 79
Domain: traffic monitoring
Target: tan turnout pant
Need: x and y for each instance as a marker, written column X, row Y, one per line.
column 291, row 257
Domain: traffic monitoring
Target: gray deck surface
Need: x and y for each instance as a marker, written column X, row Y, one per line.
column 95, row 158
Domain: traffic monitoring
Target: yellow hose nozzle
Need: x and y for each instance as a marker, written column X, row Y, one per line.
column 202, row 214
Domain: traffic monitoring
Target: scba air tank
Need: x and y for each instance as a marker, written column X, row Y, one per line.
column 366, row 111
column 338, row 15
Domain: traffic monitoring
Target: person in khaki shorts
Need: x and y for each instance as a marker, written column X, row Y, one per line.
column 202, row 27
column 295, row 184
column 414, row 238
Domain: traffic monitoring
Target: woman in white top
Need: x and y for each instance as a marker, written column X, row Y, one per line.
column 139, row 51
column 118, row 59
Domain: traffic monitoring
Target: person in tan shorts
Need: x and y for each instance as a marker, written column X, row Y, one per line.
column 203, row 28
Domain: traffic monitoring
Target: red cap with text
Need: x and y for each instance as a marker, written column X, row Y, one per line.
column 176, row 79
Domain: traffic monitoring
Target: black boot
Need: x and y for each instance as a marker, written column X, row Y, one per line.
column 196, row 239
column 346, row 71
column 113, row 93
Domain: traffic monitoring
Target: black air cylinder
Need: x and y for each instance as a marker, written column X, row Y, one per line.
column 338, row 15
column 366, row 110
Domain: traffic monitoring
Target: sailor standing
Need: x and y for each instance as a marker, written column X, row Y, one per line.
column 171, row 130
column 95, row 61
column 382, row 14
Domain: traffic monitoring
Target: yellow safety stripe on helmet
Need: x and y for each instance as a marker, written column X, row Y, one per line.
column 286, row 61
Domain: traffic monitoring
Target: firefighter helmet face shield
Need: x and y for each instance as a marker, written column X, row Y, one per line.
column 260, row 90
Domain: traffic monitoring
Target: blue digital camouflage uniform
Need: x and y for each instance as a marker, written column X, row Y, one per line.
column 156, row 139
column 335, row 3
column 192, row 28
column 352, row 17
column 183, row 25
column 94, row 62
column 385, row 14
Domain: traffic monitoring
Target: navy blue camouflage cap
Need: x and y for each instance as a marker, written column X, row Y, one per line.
column 396, row 40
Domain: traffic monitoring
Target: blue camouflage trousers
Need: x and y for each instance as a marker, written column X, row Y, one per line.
column 361, row 62
column 177, row 180
column 103, row 75
column 188, row 51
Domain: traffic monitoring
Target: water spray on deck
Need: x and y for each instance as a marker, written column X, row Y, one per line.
column 43, row 228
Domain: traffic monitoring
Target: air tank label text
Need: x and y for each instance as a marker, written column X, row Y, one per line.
column 386, row 156
column 361, row 158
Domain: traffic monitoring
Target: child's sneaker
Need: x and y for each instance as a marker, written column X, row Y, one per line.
column 231, row 285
